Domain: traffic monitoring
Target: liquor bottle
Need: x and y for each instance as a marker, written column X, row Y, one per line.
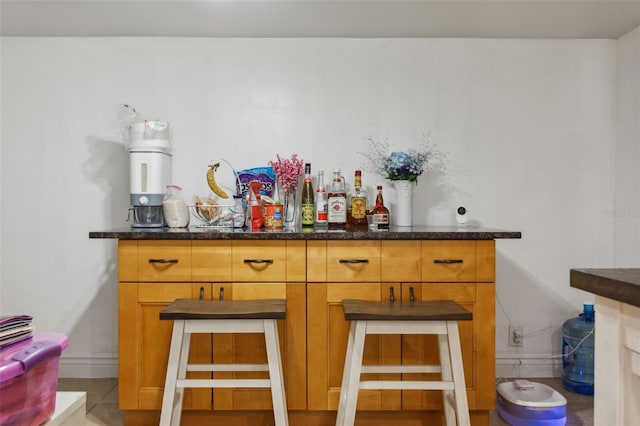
column 357, row 205
column 337, row 203
column 307, row 205
column 320, row 218
column 380, row 212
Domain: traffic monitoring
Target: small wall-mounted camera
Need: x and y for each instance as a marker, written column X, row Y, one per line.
column 461, row 215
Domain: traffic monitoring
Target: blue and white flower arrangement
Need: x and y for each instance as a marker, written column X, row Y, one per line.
column 403, row 165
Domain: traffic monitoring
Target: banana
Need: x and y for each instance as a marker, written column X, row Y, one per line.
column 211, row 180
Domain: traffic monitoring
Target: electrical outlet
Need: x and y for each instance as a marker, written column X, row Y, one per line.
column 516, row 335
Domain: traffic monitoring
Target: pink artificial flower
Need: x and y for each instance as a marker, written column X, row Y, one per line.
column 288, row 171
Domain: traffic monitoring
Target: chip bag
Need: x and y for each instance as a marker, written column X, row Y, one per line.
column 264, row 175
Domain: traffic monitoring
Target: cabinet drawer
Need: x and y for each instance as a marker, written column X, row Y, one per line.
column 448, row 261
column 259, row 261
column 353, row 261
column 164, row 261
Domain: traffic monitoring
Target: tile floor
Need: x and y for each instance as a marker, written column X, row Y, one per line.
column 102, row 402
column 102, row 399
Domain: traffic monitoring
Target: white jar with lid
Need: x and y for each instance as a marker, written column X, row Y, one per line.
column 176, row 212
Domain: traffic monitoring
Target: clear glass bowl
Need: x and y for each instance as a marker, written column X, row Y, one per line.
column 218, row 215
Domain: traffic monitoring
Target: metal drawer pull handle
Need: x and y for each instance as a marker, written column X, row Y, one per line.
column 163, row 260
column 270, row 261
column 447, row 261
column 354, row 260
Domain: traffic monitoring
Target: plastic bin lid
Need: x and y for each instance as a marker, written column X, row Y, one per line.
column 531, row 394
column 18, row 359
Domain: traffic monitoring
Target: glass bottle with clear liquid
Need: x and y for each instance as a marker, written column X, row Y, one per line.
column 320, row 217
column 577, row 351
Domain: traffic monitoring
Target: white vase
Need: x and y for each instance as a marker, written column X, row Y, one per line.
column 404, row 206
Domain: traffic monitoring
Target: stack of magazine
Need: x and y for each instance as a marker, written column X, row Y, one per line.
column 14, row 329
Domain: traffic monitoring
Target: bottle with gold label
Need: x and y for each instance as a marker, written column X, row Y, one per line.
column 357, row 205
column 380, row 212
column 307, row 207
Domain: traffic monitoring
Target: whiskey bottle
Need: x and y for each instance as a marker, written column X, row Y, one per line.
column 337, row 203
column 321, row 203
column 357, row 205
column 380, row 212
column 307, row 205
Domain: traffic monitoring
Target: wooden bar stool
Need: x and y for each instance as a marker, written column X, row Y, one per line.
column 428, row 317
column 240, row 316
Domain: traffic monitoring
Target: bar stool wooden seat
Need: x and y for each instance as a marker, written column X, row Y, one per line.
column 243, row 316
column 417, row 317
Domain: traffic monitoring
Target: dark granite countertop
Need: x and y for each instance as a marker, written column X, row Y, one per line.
column 408, row 233
column 622, row 285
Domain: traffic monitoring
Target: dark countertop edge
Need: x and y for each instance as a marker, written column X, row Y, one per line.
column 620, row 284
column 200, row 234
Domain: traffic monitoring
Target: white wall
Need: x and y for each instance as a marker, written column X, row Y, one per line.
column 626, row 213
column 529, row 126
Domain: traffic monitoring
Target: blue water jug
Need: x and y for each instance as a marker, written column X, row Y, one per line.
column 577, row 351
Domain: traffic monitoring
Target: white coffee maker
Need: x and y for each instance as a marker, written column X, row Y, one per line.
column 150, row 155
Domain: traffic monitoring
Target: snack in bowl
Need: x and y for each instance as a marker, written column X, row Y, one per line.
column 208, row 210
column 213, row 212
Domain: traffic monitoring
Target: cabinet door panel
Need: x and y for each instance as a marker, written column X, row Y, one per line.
column 327, row 339
column 250, row 348
column 460, row 292
column 475, row 334
column 144, row 345
column 484, row 356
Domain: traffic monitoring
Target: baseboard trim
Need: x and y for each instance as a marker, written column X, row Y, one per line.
column 94, row 366
column 507, row 365
column 527, row 366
